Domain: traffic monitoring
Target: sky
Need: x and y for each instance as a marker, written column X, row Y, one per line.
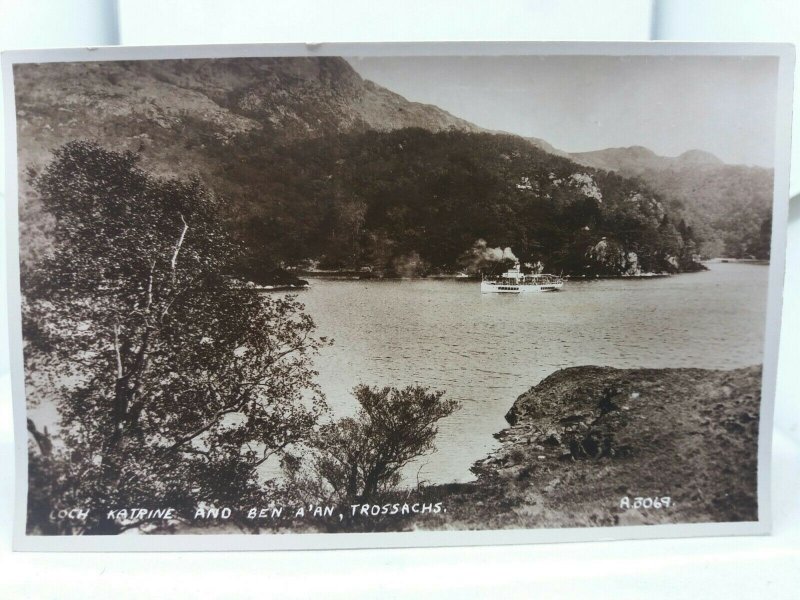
column 723, row 105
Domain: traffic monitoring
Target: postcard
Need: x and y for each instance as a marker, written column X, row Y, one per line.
column 374, row 295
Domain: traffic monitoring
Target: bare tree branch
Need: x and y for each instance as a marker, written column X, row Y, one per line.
column 174, row 261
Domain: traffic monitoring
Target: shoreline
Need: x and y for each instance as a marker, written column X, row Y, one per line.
column 473, row 279
column 356, row 275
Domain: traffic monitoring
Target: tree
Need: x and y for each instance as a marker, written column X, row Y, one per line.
column 362, row 457
column 758, row 244
column 173, row 381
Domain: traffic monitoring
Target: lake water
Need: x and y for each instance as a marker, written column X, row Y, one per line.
column 486, row 349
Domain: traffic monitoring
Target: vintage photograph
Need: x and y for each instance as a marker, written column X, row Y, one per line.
column 345, row 294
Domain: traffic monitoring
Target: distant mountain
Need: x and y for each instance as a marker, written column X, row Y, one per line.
column 728, row 206
column 698, row 158
column 638, row 159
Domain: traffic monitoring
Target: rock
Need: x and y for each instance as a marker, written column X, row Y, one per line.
column 513, row 472
column 552, row 438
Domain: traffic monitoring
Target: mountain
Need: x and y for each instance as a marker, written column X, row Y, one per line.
column 320, row 166
column 637, row 159
column 547, row 147
column 148, row 106
column 728, row 206
column 698, row 158
column 171, row 112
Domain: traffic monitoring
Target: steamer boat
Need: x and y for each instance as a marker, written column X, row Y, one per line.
column 514, row 281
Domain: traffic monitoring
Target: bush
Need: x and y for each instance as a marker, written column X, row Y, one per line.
column 362, row 457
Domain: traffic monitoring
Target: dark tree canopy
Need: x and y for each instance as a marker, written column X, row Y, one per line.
column 173, row 381
column 413, row 202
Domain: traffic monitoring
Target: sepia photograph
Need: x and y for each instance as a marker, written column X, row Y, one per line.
column 363, row 293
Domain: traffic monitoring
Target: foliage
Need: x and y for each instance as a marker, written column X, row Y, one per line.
column 726, row 205
column 362, row 457
column 173, row 381
column 414, row 202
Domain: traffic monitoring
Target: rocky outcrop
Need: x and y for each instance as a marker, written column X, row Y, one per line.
column 585, row 439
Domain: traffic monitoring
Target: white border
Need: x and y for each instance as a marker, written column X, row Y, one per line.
column 784, row 52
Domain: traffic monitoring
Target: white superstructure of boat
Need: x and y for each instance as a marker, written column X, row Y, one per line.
column 514, row 281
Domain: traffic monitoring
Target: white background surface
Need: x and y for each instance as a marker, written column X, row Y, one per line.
column 708, row 568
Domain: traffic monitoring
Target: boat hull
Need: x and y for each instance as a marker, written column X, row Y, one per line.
column 491, row 287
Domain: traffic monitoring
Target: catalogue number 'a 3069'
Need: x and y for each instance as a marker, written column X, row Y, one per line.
column 646, row 502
